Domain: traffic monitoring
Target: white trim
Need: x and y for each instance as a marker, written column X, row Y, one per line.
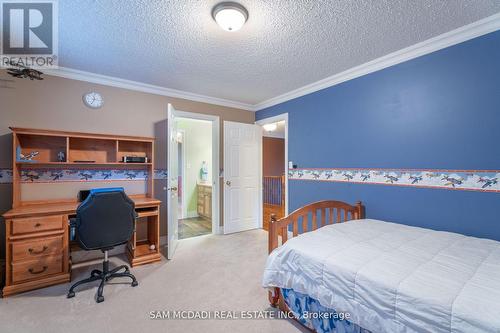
column 172, row 184
column 198, row 237
column 79, row 75
column 274, row 119
column 184, row 214
column 261, row 183
column 216, row 229
column 191, row 214
column 462, row 34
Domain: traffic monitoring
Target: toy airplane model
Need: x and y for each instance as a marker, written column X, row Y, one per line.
column 28, row 157
column 20, row 157
column 22, row 72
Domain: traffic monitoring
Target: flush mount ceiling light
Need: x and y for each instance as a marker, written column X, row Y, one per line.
column 270, row 127
column 230, row 16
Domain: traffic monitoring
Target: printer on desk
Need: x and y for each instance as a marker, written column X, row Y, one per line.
column 134, row 159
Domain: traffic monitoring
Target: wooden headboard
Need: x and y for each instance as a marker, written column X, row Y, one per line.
column 330, row 212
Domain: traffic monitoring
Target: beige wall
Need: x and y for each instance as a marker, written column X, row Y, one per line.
column 56, row 103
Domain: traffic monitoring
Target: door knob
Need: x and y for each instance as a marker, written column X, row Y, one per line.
column 228, row 182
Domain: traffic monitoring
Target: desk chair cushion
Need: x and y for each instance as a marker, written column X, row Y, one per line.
column 105, row 219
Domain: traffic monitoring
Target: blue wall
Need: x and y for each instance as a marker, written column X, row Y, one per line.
column 439, row 111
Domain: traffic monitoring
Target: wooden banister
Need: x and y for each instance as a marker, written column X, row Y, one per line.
column 274, row 190
column 283, row 190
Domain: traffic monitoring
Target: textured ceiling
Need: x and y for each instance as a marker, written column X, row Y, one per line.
column 285, row 44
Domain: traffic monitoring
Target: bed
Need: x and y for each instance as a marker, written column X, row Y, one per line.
column 364, row 275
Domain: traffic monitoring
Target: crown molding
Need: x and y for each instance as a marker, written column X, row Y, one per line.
column 79, row 75
column 462, row 34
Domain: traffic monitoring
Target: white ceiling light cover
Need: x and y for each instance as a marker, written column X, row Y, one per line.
column 270, row 127
column 230, row 16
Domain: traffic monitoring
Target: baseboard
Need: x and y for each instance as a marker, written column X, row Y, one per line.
column 192, row 214
column 219, row 230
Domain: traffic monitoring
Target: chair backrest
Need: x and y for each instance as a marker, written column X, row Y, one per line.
column 105, row 219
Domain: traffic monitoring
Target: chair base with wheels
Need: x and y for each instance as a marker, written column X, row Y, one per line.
column 104, row 276
column 105, row 219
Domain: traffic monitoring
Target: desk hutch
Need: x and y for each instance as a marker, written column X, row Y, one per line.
column 37, row 232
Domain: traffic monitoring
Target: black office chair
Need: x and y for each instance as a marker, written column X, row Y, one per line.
column 104, row 220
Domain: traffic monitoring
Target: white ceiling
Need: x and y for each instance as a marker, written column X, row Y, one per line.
column 285, row 44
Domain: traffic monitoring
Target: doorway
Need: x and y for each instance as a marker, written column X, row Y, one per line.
column 195, row 177
column 274, row 168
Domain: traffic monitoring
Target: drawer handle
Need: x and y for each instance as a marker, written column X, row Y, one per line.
column 38, row 225
column 38, row 252
column 32, row 271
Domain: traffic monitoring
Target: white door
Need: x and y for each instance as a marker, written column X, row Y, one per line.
column 242, row 169
column 172, row 183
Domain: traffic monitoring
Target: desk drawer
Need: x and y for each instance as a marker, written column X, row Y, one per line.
column 36, row 224
column 36, row 248
column 36, row 269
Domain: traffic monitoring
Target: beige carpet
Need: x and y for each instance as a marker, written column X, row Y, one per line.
column 212, row 273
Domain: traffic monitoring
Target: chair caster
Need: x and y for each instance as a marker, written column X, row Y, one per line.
column 71, row 294
column 135, row 283
column 100, row 299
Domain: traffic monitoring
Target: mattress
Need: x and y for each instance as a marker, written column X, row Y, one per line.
column 394, row 278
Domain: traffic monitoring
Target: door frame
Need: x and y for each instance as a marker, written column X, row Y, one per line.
column 216, row 229
column 183, row 195
column 274, row 119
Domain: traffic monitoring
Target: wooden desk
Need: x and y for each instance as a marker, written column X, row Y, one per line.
column 38, row 249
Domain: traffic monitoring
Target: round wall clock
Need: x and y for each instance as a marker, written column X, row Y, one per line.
column 93, row 100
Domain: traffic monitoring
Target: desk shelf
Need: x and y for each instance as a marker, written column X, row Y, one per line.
column 139, row 251
column 59, row 149
column 43, row 223
column 142, row 249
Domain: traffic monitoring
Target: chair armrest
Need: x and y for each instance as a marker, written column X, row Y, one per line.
column 72, row 222
column 72, row 228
